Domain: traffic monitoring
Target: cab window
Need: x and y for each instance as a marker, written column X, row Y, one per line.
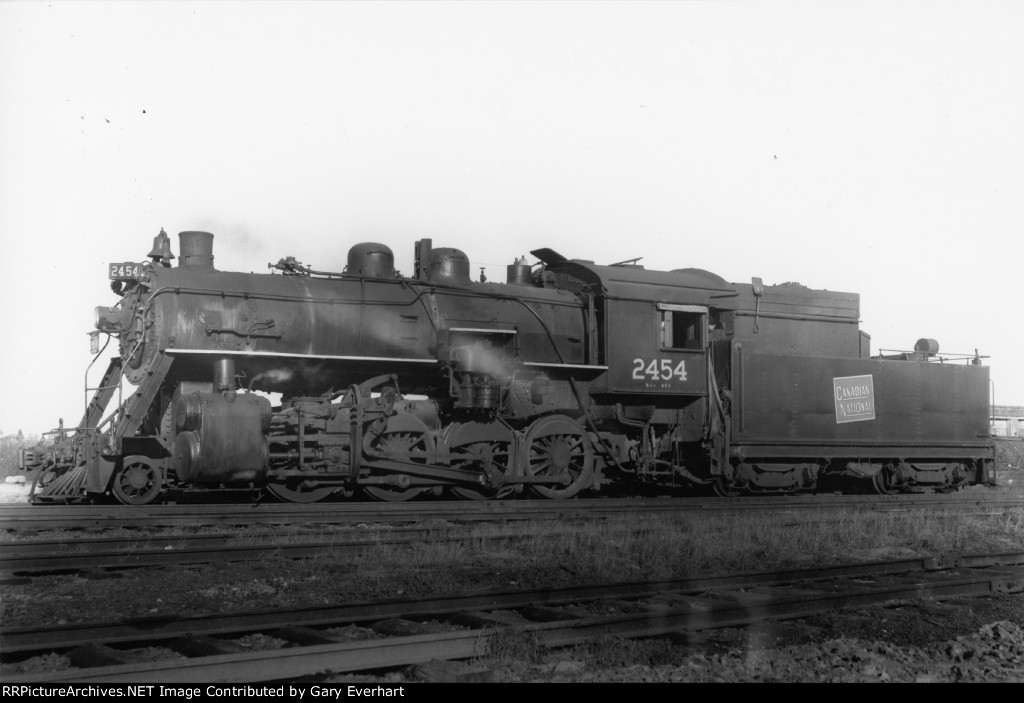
column 682, row 330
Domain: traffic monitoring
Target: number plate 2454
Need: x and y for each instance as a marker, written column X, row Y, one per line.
column 126, row 271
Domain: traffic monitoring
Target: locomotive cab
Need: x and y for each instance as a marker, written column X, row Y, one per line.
column 651, row 328
column 657, row 348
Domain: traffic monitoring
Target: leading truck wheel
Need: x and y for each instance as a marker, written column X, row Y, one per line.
column 559, row 448
column 138, row 482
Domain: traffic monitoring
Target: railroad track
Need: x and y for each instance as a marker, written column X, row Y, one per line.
column 317, row 642
column 33, row 557
column 42, row 517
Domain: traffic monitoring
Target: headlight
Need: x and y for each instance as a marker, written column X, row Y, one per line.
column 107, row 319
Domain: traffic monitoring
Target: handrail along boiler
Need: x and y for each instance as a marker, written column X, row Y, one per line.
column 569, row 377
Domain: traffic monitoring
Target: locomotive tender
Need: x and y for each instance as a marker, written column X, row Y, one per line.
column 569, row 377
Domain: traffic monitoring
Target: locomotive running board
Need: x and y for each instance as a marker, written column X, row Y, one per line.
column 328, row 357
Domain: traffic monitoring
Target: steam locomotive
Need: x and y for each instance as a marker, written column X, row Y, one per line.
column 569, row 378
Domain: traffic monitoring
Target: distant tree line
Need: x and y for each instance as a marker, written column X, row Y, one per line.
column 9, row 446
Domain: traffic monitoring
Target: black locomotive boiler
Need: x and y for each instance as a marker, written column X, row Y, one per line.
column 570, row 377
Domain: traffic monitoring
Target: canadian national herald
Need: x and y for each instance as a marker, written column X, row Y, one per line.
column 855, row 398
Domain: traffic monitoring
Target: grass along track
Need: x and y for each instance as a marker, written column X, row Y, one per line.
column 623, row 548
column 74, row 551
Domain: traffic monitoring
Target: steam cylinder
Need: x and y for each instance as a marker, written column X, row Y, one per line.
column 225, row 441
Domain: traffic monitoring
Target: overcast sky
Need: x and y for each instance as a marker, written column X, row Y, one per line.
column 869, row 147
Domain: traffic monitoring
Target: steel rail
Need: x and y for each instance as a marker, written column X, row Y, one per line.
column 89, row 542
column 35, row 517
column 25, row 557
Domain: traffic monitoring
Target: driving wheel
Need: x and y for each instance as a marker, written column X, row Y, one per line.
column 559, row 448
column 475, row 444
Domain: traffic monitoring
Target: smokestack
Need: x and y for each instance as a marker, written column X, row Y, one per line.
column 196, row 249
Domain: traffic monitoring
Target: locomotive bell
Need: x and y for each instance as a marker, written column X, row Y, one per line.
column 371, row 259
column 161, row 252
